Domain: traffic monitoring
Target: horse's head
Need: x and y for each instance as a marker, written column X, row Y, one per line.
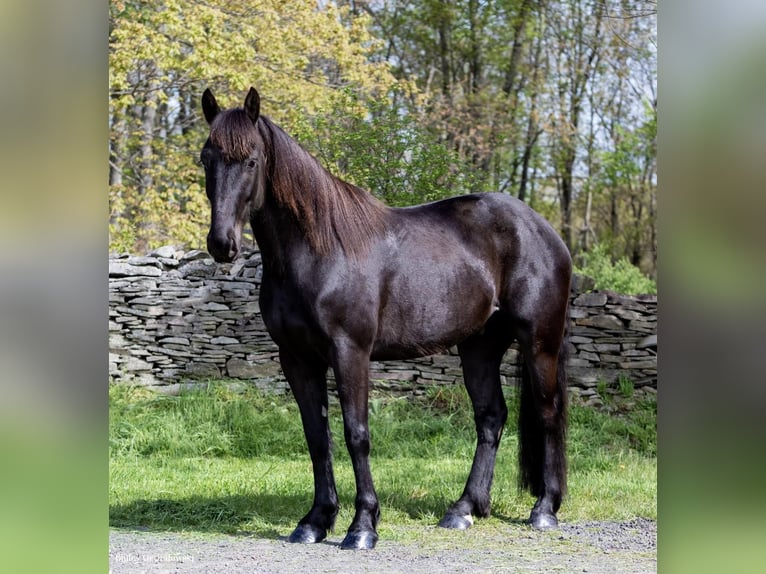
column 234, row 161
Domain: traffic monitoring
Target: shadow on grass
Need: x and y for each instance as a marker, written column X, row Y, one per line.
column 264, row 516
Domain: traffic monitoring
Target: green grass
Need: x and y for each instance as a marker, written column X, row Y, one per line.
column 219, row 461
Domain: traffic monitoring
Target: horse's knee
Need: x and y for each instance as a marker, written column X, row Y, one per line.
column 358, row 439
column 490, row 423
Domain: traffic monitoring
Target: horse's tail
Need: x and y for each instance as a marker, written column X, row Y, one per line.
column 532, row 427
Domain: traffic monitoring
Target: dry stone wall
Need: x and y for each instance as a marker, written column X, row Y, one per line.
column 179, row 318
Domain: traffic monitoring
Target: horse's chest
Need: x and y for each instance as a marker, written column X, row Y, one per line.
column 284, row 315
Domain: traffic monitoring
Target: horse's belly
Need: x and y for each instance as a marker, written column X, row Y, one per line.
column 433, row 321
column 436, row 289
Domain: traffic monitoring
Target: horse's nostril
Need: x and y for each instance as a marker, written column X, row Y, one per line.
column 223, row 247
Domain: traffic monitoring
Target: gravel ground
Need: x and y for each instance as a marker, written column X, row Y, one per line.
column 593, row 547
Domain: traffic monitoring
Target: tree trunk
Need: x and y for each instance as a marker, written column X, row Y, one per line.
column 519, row 25
column 567, row 193
column 146, row 162
column 116, row 150
column 474, row 54
column 443, row 29
column 148, row 117
column 533, row 129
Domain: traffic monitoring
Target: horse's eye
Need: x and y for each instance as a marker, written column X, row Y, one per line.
column 251, row 163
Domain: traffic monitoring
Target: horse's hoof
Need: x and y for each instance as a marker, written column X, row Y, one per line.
column 456, row 521
column 542, row 521
column 307, row 534
column 364, row 540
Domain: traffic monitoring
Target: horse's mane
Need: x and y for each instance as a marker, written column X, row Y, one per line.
column 330, row 212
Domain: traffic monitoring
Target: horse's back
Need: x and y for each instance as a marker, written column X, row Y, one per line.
column 447, row 266
column 494, row 225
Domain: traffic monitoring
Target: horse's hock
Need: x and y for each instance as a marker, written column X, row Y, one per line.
column 179, row 318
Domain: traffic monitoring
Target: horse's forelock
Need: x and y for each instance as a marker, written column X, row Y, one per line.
column 234, row 133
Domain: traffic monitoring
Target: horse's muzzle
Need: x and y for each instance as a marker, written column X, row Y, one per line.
column 223, row 248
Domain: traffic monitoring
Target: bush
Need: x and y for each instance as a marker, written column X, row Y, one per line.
column 620, row 276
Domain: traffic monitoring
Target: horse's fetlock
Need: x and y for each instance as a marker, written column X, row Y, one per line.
column 481, row 505
column 368, row 503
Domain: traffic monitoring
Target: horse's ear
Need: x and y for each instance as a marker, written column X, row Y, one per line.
column 253, row 104
column 209, row 106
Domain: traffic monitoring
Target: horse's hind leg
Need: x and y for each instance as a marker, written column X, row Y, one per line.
column 481, row 356
column 309, row 386
column 542, row 426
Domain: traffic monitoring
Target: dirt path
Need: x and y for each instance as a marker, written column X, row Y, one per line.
column 593, row 547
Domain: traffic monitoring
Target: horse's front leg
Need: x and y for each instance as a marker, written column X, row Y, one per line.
column 351, row 365
column 308, row 383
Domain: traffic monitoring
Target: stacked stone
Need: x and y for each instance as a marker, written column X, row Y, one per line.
column 177, row 319
column 613, row 336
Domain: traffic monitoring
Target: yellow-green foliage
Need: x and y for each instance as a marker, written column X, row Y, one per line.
column 163, row 54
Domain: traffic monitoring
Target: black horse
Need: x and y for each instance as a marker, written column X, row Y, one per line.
column 347, row 279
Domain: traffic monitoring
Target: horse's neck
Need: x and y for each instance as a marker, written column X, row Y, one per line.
column 306, row 207
column 277, row 235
